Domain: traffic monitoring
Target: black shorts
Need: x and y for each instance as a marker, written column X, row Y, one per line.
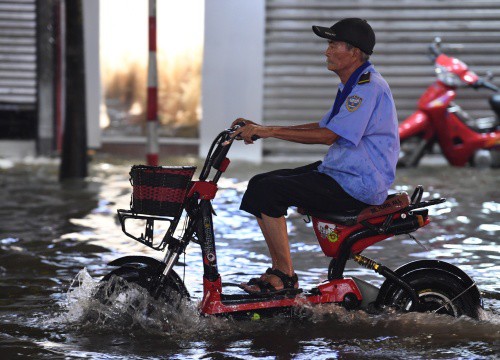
column 274, row 192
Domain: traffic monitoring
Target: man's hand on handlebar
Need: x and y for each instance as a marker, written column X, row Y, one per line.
column 246, row 130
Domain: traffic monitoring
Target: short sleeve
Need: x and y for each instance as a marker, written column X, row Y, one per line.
column 324, row 120
column 355, row 114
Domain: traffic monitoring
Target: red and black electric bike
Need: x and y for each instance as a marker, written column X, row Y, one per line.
column 438, row 119
column 166, row 193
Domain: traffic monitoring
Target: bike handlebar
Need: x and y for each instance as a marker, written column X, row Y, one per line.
column 482, row 83
column 490, row 86
column 435, row 49
column 219, row 149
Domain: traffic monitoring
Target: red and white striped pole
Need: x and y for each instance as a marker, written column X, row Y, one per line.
column 152, row 98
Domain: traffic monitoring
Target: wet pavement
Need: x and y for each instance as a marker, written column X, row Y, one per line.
column 55, row 240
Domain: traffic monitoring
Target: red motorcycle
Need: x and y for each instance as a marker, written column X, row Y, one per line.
column 163, row 194
column 438, row 119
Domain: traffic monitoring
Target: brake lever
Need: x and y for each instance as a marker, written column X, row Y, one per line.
column 231, row 130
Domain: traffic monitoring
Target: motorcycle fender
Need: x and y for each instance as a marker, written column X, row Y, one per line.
column 416, row 123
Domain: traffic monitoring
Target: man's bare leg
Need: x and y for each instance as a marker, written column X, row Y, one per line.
column 278, row 241
column 276, row 236
column 270, row 244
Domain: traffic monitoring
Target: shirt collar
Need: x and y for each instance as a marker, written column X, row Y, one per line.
column 368, row 69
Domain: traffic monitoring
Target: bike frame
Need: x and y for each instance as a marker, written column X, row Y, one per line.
column 376, row 225
column 342, row 236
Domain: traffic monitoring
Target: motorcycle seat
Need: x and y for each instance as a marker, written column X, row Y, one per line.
column 495, row 104
column 485, row 125
column 394, row 203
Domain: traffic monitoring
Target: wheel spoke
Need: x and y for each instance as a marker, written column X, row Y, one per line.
column 456, row 297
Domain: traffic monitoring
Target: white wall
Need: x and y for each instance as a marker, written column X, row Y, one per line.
column 92, row 72
column 233, row 71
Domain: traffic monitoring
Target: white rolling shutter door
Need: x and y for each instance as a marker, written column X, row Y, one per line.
column 18, row 54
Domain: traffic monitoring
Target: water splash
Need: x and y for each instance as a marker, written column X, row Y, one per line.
column 131, row 310
column 78, row 297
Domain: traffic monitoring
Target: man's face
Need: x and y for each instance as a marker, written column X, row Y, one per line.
column 338, row 57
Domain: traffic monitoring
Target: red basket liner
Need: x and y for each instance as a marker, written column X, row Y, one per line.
column 159, row 193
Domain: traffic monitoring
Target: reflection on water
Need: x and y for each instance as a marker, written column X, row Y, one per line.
column 50, row 232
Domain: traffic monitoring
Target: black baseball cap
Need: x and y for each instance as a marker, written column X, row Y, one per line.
column 354, row 31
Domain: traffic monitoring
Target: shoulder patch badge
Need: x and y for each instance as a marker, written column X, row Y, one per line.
column 364, row 79
column 353, row 103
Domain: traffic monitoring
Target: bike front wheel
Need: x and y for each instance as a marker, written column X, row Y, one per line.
column 172, row 291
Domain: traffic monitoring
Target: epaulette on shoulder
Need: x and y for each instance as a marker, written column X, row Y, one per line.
column 364, row 79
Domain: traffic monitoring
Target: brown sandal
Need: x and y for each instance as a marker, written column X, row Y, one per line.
column 265, row 288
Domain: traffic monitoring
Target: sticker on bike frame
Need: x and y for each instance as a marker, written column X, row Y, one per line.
column 328, row 232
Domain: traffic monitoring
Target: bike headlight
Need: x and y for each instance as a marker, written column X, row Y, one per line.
column 447, row 77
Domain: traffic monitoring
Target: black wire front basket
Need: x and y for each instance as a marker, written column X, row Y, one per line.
column 158, row 194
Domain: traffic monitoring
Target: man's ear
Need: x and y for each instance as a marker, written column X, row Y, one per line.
column 356, row 53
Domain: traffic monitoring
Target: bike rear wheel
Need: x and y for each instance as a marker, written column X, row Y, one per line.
column 439, row 292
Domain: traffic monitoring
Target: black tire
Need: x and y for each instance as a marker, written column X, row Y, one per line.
column 439, row 291
column 412, row 150
column 119, row 280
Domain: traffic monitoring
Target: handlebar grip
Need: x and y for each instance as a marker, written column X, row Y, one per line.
column 490, row 86
column 253, row 138
column 482, row 83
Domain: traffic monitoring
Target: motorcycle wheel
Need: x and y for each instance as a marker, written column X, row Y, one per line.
column 412, row 150
column 119, row 280
column 439, row 292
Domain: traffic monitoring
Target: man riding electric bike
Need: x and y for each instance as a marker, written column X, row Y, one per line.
column 345, row 196
column 361, row 132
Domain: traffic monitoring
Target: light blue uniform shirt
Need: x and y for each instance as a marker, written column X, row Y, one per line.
column 363, row 159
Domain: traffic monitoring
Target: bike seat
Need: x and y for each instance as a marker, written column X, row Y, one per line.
column 393, row 203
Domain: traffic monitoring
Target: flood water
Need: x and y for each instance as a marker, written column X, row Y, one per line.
column 55, row 241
